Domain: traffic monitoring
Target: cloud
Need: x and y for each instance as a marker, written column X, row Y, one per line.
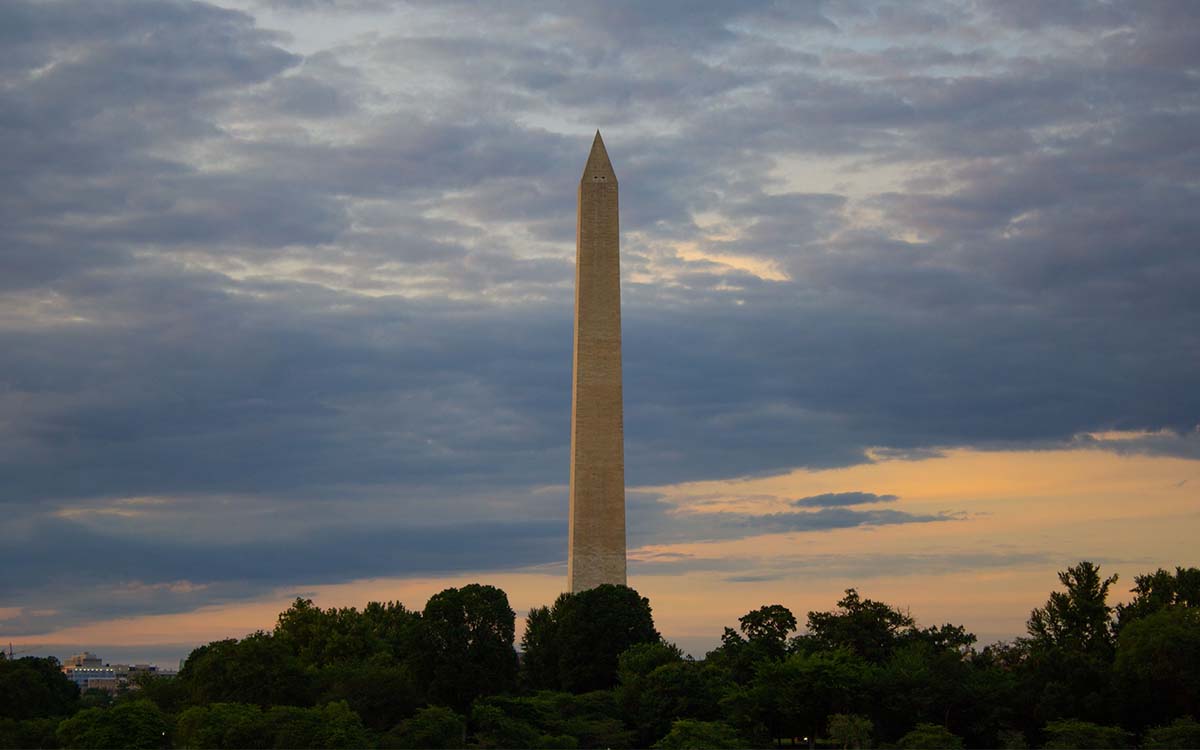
column 654, row 521
column 275, row 274
column 862, row 567
column 842, row 499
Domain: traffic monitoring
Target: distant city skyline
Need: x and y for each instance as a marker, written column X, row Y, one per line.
column 286, row 301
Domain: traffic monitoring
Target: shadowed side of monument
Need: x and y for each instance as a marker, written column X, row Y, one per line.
column 596, row 545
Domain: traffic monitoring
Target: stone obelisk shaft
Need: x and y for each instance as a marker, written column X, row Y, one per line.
column 596, row 546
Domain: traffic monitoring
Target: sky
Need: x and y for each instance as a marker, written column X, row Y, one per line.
column 286, row 293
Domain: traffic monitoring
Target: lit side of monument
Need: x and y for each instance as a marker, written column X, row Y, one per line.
column 596, row 540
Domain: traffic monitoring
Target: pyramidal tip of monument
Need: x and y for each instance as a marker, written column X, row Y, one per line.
column 598, row 167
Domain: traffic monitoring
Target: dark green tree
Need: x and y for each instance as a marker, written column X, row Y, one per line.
column 340, row 727
column 585, row 633
column 641, row 659
column 931, row 736
column 380, row 690
column 998, row 708
column 1154, row 592
column 1073, row 734
column 792, row 698
column 31, row 687
column 258, row 669
column 869, row 628
column 397, row 628
column 167, row 693
column 539, row 651
column 331, row 637
column 850, row 730
column 678, row 690
column 1157, row 667
column 467, row 645
column 222, row 725
column 1181, row 733
column 689, row 734
column 134, row 724
column 1070, row 650
column 96, row 698
column 763, row 635
column 435, row 727
column 27, row 733
column 923, row 684
column 493, row 727
column 593, row 719
column 769, row 626
column 332, row 725
column 549, row 719
column 1079, row 619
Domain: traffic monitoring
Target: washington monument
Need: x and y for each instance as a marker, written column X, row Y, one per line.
column 596, row 544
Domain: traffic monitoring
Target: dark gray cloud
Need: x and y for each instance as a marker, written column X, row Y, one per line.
column 149, row 568
column 330, row 267
column 842, row 499
column 848, row 567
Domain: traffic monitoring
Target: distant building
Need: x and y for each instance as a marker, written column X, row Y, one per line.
column 91, row 677
column 90, row 673
column 85, row 659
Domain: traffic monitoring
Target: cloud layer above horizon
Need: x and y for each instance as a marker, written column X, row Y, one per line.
column 286, row 286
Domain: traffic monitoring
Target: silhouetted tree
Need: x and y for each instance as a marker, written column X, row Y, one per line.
column 792, row 698
column 222, row 725
column 682, row 689
column 932, row 736
column 1078, row 619
column 770, row 626
column 585, row 633
column 539, row 651
column 869, row 628
column 1181, row 733
column 1159, row 590
column 850, row 730
column 1071, row 647
column 688, row 734
column 923, row 684
column 258, row 669
column 1157, row 667
column 763, row 636
column 17, row 735
column 435, row 727
column 135, row 724
column 1072, row 734
column 31, row 687
column 467, row 645
column 380, row 690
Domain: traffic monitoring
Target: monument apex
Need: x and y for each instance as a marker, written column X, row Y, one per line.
column 596, row 537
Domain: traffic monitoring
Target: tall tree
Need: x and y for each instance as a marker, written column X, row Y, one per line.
column 769, row 625
column 792, row 698
column 575, row 644
column 869, row 628
column 593, row 627
column 539, row 650
column 764, row 633
column 1078, row 619
column 31, row 687
column 1159, row 590
column 134, row 724
column 467, row 645
column 258, row 669
column 1157, row 667
column 1071, row 648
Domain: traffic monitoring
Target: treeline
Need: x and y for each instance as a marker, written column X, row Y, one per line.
column 595, row 673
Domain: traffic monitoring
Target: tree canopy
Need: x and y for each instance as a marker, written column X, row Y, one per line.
column 595, row 673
